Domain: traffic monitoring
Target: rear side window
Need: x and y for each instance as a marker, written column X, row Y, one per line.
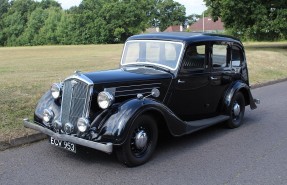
column 219, row 56
column 237, row 56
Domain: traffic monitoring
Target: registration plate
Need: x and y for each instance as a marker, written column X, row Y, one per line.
column 63, row 144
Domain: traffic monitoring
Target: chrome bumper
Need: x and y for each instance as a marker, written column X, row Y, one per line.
column 107, row 148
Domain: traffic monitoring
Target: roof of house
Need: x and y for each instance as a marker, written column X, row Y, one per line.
column 151, row 30
column 209, row 24
column 174, row 28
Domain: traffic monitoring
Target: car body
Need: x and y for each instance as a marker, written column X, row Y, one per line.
column 180, row 81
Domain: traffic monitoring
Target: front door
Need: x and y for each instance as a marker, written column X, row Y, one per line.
column 191, row 88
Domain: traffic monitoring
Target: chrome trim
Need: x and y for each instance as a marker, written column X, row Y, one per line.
column 59, row 87
column 109, row 96
column 107, row 147
column 148, row 88
column 86, row 109
column 236, row 109
column 141, row 139
column 167, row 41
column 82, row 78
column 69, row 128
column 257, row 101
column 138, row 85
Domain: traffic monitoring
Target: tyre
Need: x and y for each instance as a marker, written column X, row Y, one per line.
column 140, row 143
column 236, row 111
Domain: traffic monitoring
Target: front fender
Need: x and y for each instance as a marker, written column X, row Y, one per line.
column 117, row 125
column 243, row 88
column 46, row 101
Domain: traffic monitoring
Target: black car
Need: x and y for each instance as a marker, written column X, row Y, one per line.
column 181, row 82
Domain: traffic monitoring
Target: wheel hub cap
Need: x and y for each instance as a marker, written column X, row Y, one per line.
column 141, row 139
column 236, row 109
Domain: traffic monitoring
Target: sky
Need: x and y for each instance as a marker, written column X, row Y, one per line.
column 192, row 6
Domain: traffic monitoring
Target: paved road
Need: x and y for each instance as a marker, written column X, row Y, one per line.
column 255, row 153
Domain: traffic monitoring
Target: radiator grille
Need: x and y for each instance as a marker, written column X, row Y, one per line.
column 75, row 101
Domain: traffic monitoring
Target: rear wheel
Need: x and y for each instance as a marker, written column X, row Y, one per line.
column 140, row 143
column 236, row 111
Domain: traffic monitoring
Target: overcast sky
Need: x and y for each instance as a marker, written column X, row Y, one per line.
column 192, row 6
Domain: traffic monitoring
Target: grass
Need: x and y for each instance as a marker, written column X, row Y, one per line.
column 27, row 72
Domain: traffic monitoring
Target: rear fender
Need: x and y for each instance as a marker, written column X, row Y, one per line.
column 238, row 87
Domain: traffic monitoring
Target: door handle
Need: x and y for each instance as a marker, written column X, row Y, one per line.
column 180, row 82
column 213, row 78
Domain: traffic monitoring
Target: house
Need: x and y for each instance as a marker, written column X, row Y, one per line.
column 207, row 25
column 152, row 30
column 174, row 28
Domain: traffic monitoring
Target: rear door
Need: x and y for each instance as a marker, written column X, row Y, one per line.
column 222, row 74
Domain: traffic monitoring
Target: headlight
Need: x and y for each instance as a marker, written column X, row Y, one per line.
column 48, row 115
column 105, row 99
column 83, row 124
column 56, row 90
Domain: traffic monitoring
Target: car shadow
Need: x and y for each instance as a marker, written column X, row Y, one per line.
column 167, row 144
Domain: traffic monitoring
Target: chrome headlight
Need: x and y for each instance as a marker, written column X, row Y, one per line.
column 48, row 115
column 105, row 99
column 56, row 90
column 83, row 124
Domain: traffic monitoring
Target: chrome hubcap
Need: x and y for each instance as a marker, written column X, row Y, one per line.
column 236, row 109
column 141, row 139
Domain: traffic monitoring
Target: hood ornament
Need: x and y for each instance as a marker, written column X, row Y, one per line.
column 78, row 73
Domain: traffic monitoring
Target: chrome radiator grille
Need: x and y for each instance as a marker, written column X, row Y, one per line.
column 75, row 101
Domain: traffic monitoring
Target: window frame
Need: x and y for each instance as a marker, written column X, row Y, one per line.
column 228, row 64
column 206, row 65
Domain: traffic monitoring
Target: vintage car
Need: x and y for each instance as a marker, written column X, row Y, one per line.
column 179, row 82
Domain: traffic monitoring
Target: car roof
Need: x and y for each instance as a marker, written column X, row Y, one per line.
column 184, row 37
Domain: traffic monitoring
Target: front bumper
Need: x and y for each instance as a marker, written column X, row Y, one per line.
column 107, row 148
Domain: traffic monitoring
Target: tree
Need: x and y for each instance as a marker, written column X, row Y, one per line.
column 166, row 13
column 13, row 22
column 35, row 22
column 256, row 20
column 192, row 19
column 47, row 33
column 4, row 6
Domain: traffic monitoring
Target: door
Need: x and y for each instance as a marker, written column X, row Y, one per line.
column 189, row 99
column 222, row 74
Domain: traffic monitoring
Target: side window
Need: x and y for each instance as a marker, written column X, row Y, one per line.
column 237, row 56
column 219, row 56
column 194, row 57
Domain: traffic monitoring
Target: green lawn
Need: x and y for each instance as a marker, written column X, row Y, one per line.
column 27, row 72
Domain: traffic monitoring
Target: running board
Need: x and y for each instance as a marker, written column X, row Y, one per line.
column 208, row 121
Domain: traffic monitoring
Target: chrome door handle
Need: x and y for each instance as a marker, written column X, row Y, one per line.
column 181, row 82
column 213, row 78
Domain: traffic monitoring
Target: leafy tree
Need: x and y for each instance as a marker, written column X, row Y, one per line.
column 45, row 4
column 166, row 13
column 192, row 19
column 66, row 29
column 35, row 22
column 14, row 21
column 256, row 20
column 4, row 6
column 47, row 33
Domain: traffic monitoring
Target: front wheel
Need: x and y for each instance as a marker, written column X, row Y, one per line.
column 236, row 111
column 141, row 142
